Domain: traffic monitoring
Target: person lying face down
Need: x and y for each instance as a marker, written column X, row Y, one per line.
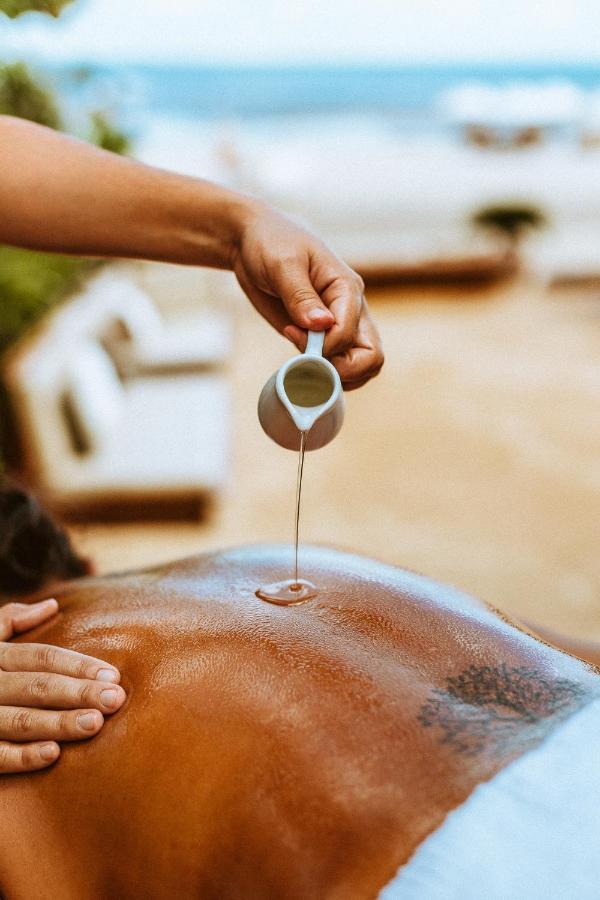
column 263, row 751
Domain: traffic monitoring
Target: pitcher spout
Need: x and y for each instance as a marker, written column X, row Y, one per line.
column 304, row 395
column 304, row 419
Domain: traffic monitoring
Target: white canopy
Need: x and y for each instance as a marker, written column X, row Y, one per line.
column 518, row 105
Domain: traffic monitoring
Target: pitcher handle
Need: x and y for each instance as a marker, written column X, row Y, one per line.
column 314, row 345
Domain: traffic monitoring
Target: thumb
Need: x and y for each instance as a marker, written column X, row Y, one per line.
column 304, row 306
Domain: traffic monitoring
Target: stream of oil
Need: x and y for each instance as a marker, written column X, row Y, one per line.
column 293, row 590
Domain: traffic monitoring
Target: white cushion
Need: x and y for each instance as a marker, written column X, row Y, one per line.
column 94, row 395
column 175, row 436
column 172, row 437
column 139, row 315
column 202, row 339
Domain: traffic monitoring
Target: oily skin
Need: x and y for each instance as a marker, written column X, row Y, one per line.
column 266, row 751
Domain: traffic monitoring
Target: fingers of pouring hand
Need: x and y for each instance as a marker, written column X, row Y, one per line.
column 357, row 366
column 270, row 307
column 15, row 758
column 365, row 358
column 291, row 278
column 344, row 298
column 358, row 363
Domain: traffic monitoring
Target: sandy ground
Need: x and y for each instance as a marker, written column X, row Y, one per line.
column 474, row 457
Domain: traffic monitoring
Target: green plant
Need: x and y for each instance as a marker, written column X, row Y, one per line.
column 30, row 284
column 511, row 219
column 107, row 135
column 14, row 8
column 27, row 97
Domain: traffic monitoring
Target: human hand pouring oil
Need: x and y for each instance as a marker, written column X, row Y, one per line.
column 301, row 407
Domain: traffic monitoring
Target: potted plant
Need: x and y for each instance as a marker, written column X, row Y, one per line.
column 511, row 221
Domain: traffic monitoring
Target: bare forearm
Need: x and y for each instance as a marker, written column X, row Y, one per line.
column 65, row 196
column 60, row 194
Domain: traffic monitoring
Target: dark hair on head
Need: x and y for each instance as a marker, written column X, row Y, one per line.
column 34, row 549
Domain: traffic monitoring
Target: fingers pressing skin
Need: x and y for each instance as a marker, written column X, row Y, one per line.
column 18, row 617
column 47, row 694
column 49, row 691
column 16, row 758
column 47, row 658
column 26, row 725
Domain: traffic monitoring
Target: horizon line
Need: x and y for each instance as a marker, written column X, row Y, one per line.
column 325, row 64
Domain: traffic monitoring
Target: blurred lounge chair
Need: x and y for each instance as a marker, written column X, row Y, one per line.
column 151, row 440
column 567, row 257
column 142, row 342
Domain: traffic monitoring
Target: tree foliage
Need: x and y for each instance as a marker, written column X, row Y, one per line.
column 14, row 8
column 26, row 97
column 30, row 284
column 106, row 135
column 510, row 219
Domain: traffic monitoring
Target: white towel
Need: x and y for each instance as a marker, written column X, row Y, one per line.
column 531, row 833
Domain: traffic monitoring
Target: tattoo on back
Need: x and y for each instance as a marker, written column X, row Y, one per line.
column 494, row 707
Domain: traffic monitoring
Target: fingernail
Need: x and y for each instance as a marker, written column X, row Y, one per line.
column 107, row 675
column 49, row 751
column 319, row 315
column 108, row 698
column 88, row 721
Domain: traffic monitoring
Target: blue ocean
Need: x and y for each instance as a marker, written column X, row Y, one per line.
column 211, row 92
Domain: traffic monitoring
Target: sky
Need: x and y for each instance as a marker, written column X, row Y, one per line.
column 301, row 31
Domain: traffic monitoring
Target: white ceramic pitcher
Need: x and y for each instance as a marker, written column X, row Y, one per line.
column 305, row 394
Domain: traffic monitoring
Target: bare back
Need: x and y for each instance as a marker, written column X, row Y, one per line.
column 275, row 752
